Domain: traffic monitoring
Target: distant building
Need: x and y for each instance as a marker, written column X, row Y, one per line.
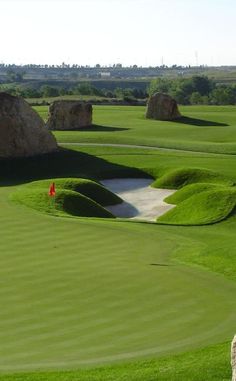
column 105, row 74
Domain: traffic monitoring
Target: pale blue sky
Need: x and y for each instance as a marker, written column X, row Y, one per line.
column 142, row 32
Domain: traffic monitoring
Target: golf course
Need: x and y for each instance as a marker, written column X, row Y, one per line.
column 86, row 296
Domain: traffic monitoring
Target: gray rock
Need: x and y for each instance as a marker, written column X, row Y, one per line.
column 22, row 131
column 162, row 107
column 233, row 358
column 69, row 115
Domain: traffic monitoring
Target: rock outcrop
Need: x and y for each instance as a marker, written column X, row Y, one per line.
column 69, row 115
column 233, row 358
column 162, row 107
column 22, row 131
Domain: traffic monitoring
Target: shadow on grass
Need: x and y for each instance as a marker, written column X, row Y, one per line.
column 63, row 163
column 199, row 122
column 98, row 128
column 159, row 264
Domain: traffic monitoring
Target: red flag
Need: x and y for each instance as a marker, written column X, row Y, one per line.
column 52, row 190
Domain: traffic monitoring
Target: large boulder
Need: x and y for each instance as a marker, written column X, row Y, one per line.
column 233, row 358
column 69, row 115
column 162, row 107
column 22, row 131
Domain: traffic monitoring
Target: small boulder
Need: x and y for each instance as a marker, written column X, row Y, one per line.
column 69, row 115
column 233, row 358
column 22, row 131
column 162, row 107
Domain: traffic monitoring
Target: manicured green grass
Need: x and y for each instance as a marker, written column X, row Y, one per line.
column 158, row 163
column 204, row 208
column 211, row 363
column 80, row 293
column 77, row 197
column 180, row 177
column 88, row 188
column 85, row 292
column 203, row 128
column 64, row 203
column 42, row 111
column 190, row 190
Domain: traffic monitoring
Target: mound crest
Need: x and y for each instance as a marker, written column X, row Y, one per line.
column 180, row 177
column 76, row 197
column 86, row 187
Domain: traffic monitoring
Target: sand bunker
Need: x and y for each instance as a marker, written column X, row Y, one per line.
column 140, row 200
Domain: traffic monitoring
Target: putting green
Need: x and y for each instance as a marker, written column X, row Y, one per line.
column 85, row 292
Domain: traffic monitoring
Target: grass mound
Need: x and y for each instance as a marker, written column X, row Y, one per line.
column 66, row 202
column 204, row 208
column 88, row 188
column 191, row 190
column 178, row 178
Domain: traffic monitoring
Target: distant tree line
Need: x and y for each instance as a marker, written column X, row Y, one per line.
column 85, row 88
column 197, row 90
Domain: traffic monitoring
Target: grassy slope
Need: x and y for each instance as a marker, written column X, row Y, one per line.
column 190, row 190
column 209, row 128
column 201, row 209
column 65, row 203
column 77, row 197
column 86, row 187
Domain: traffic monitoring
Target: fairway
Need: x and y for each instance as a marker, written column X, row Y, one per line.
column 202, row 128
column 84, row 292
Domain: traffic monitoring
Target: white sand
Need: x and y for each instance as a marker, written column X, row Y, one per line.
column 140, row 200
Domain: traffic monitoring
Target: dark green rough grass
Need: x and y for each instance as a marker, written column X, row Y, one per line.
column 204, row 208
column 66, row 202
column 190, row 190
column 178, row 178
column 88, row 188
column 211, row 364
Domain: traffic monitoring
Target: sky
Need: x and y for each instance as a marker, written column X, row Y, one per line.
column 141, row 32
